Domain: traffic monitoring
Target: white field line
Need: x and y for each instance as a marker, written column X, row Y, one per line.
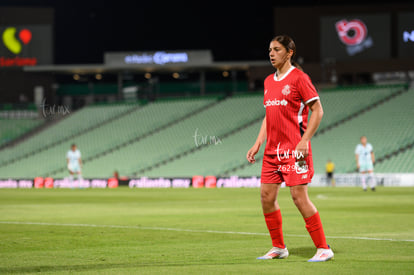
column 193, row 230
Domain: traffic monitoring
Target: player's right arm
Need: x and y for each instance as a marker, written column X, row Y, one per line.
column 357, row 156
column 259, row 141
column 357, row 160
column 67, row 164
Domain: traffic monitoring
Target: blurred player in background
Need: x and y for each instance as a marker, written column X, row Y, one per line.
column 330, row 169
column 288, row 96
column 74, row 162
column 365, row 159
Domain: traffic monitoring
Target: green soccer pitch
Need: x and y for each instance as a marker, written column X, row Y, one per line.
column 199, row 231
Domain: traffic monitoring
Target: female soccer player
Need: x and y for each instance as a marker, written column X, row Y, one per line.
column 365, row 159
column 74, row 163
column 288, row 96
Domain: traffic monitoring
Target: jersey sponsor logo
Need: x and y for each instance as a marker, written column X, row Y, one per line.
column 275, row 102
column 301, row 167
column 286, row 90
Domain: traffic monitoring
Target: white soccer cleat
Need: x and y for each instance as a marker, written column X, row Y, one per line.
column 275, row 253
column 322, row 255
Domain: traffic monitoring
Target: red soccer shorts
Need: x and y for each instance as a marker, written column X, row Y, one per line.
column 280, row 169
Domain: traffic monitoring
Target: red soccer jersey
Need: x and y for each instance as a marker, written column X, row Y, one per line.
column 285, row 101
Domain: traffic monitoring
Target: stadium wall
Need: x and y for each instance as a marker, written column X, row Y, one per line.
column 319, row 180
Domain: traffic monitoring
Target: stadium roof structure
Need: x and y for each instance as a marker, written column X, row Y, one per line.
column 153, row 62
column 105, row 68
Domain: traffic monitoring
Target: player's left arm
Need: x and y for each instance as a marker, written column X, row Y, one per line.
column 80, row 159
column 315, row 119
column 373, row 157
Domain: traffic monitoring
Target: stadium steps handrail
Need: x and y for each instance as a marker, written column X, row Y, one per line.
column 67, row 138
column 140, row 137
column 362, row 110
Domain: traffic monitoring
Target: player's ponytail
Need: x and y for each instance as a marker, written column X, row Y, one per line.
column 289, row 44
column 296, row 64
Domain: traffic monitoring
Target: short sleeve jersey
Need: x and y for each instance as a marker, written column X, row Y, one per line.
column 73, row 156
column 364, row 153
column 285, row 101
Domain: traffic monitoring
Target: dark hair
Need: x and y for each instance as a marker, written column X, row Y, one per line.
column 73, row 144
column 287, row 42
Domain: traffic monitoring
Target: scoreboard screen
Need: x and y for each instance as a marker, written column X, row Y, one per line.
column 355, row 37
column 26, row 45
column 405, row 34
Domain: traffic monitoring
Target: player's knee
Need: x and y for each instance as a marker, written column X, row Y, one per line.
column 267, row 199
column 299, row 201
column 296, row 200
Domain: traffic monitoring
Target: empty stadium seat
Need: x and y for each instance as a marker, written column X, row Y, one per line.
column 203, row 136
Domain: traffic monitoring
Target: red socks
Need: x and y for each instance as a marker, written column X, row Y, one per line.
column 315, row 229
column 274, row 224
column 313, row 225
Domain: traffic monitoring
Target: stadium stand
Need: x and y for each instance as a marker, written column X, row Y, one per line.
column 75, row 124
column 339, row 105
column 109, row 128
column 399, row 163
column 388, row 127
column 210, row 136
column 12, row 129
column 214, row 158
column 177, row 140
